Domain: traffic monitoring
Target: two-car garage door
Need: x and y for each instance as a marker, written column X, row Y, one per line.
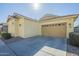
column 54, row 30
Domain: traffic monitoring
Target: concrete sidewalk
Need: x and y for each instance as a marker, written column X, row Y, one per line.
column 48, row 51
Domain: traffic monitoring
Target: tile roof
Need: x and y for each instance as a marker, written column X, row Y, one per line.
column 48, row 17
column 45, row 17
column 17, row 16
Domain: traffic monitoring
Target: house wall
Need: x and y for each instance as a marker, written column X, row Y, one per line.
column 67, row 20
column 12, row 26
column 20, row 27
column 70, row 28
column 28, row 28
column 23, row 28
column 31, row 28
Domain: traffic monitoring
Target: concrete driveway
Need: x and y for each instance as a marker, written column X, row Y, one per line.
column 30, row 46
column 4, row 50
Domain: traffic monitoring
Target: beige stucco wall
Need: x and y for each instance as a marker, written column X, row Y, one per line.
column 14, row 28
column 28, row 28
column 31, row 28
column 70, row 29
column 11, row 27
column 20, row 27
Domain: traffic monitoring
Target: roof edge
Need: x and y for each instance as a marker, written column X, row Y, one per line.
column 73, row 15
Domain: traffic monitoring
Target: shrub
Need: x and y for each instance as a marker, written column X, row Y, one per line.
column 6, row 35
column 74, row 38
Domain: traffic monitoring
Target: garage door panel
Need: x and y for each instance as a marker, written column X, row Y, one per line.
column 54, row 30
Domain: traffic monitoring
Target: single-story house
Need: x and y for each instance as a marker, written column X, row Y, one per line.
column 48, row 25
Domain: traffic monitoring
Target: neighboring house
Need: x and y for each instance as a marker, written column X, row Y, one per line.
column 76, row 29
column 0, row 27
column 48, row 25
column 3, row 27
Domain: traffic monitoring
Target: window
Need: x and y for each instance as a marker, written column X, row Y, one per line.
column 42, row 25
column 49, row 24
column 55, row 24
column 19, row 24
column 46, row 25
column 63, row 24
column 59, row 24
column 52, row 24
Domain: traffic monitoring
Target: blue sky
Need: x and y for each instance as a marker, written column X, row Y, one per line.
column 28, row 10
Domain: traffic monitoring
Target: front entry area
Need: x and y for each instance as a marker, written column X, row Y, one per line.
column 54, row 30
